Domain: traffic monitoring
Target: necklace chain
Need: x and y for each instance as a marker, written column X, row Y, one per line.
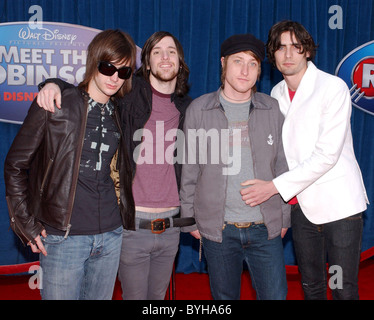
column 238, row 100
column 102, row 107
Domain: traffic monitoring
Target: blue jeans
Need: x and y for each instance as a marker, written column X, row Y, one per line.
column 80, row 267
column 264, row 258
column 338, row 243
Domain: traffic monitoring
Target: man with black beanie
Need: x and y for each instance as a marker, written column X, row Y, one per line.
column 244, row 127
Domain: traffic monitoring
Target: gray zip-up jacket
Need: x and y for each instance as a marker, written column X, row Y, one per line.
column 204, row 179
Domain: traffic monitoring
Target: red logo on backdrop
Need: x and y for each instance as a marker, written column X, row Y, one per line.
column 357, row 70
column 363, row 76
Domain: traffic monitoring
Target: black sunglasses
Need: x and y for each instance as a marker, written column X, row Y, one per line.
column 108, row 69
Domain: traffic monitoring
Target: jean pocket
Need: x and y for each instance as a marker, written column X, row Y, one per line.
column 117, row 231
column 128, row 233
column 357, row 216
column 53, row 239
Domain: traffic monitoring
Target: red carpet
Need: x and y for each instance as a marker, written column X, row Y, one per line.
column 194, row 286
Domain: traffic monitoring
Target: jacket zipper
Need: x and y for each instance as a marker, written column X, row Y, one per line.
column 251, row 108
column 224, row 201
column 13, row 219
column 97, row 173
column 150, row 105
column 74, row 185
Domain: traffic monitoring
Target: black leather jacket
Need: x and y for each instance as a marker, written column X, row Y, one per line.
column 42, row 166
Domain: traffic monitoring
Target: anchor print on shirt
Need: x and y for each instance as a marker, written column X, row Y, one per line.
column 270, row 140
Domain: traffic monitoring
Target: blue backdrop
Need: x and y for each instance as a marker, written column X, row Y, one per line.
column 201, row 26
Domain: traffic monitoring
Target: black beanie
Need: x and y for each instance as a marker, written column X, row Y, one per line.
column 243, row 42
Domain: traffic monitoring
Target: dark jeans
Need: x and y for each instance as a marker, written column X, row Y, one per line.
column 264, row 258
column 337, row 243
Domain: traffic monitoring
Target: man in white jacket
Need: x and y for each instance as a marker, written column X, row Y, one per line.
column 324, row 175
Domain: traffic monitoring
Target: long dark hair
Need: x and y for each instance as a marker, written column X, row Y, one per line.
column 297, row 30
column 182, row 87
column 113, row 46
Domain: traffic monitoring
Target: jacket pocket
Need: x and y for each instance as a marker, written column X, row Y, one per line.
column 45, row 177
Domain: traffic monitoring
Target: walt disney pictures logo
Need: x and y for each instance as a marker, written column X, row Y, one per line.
column 357, row 70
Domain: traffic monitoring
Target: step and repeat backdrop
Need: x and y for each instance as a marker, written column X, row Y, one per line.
column 46, row 39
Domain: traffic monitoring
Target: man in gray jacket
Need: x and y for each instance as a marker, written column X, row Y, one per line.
column 232, row 135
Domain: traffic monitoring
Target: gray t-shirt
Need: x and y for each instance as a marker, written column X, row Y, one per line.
column 240, row 155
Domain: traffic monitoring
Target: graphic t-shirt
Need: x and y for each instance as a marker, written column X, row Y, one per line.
column 95, row 207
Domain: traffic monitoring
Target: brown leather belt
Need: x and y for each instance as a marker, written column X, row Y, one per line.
column 160, row 225
column 241, row 225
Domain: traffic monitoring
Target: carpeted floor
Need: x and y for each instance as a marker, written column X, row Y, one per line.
column 194, row 286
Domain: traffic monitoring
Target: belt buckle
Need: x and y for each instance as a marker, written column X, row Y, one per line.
column 242, row 225
column 158, row 226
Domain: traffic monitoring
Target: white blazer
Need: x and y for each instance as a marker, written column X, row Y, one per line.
column 317, row 140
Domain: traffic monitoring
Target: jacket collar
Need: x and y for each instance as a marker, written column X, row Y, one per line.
column 181, row 103
column 306, row 85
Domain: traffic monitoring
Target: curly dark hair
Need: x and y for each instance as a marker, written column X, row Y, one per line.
column 297, row 30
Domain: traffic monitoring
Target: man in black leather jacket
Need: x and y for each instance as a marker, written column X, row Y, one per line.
column 158, row 97
column 57, row 176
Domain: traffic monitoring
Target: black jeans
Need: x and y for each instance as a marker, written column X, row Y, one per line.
column 339, row 244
